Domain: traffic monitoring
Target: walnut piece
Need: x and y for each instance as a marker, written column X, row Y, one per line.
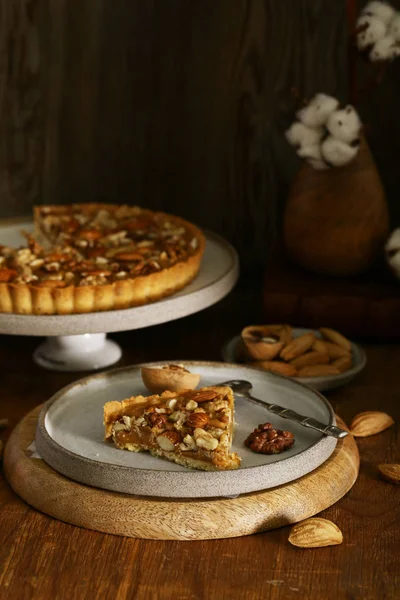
column 267, row 440
column 197, row 420
column 156, row 420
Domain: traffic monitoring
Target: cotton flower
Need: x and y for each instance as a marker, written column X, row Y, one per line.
column 337, row 152
column 344, row 124
column 313, row 155
column 385, row 49
column 299, row 134
column 394, row 27
column 392, row 251
column 381, row 10
column 371, row 29
column 325, row 136
column 317, row 111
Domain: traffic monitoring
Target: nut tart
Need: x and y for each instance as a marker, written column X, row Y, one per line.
column 193, row 428
column 93, row 257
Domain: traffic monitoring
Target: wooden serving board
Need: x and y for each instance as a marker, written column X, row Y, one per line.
column 151, row 518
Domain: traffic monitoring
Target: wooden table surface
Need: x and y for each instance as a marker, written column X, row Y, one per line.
column 46, row 559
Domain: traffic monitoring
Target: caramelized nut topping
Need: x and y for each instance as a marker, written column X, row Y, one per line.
column 267, row 440
column 82, row 239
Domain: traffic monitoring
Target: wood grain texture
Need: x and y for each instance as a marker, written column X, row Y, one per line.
column 151, row 518
column 44, row 559
column 176, row 105
column 378, row 107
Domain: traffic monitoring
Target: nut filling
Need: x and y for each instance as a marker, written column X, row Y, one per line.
column 169, row 426
column 96, row 246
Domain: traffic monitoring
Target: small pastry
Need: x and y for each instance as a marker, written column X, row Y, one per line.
column 169, row 377
column 264, row 342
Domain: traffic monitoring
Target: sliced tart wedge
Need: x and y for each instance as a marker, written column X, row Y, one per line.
column 193, row 428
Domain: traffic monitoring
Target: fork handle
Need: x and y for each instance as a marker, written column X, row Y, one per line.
column 287, row 413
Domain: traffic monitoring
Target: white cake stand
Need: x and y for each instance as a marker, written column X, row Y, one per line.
column 79, row 343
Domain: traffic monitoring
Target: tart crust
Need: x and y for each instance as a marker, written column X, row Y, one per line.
column 194, row 430
column 32, row 298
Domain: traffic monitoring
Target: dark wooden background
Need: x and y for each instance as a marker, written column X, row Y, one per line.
column 174, row 104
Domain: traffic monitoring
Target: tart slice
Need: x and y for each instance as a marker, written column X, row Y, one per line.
column 193, row 428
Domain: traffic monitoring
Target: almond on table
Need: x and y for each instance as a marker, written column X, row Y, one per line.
column 390, row 473
column 315, row 533
column 369, row 423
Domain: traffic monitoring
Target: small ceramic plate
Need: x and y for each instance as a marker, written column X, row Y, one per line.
column 234, row 351
column 70, row 436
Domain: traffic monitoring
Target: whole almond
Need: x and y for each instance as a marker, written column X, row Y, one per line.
column 168, row 440
column 197, row 420
column 310, row 358
column 203, row 395
column 298, row 346
column 318, row 371
column 344, row 363
column 277, row 367
column 390, row 472
column 333, row 350
column 337, row 338
column 315, row 533
column 319, row 346
column 369, row 423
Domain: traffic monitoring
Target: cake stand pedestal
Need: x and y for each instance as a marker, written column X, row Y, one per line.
column 78, row 342
column 85, row 352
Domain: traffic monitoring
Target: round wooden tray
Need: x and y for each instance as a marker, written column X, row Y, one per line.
column 151, row 518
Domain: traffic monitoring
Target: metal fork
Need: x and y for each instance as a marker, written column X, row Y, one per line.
column 243, row 388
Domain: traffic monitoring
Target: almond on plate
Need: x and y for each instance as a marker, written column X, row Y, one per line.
column 277, row 366
column 337, row 338
column 318, row 371
column 312, row 357
column 298, row 346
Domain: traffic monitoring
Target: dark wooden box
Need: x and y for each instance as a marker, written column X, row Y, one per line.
column 365, row 306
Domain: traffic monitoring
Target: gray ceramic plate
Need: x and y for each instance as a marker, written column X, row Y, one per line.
column 70, row 436
column 233, row 352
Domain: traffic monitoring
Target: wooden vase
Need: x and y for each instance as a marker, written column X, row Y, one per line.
column 336, row 221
